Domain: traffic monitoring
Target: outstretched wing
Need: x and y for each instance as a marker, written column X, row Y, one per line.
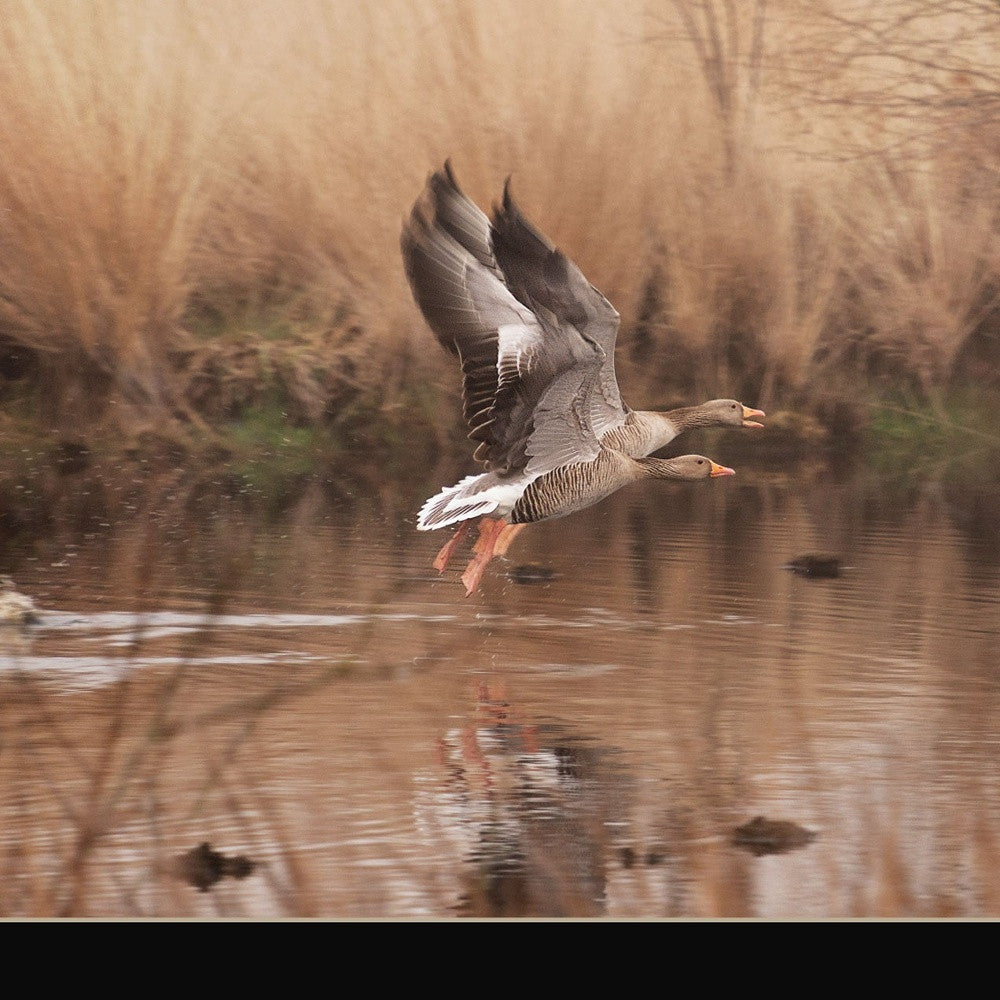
column 458, row 287
column 542, row 278
column 525, row 382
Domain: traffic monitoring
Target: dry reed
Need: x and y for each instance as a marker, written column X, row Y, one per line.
column 160, row 163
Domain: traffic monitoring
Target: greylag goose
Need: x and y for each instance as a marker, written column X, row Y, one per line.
column 642, row 432
column 536, row 344
column 15, row 608
column 462, row 316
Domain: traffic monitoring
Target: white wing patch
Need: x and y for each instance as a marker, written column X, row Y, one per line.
column 474, row 496
column 519, row 346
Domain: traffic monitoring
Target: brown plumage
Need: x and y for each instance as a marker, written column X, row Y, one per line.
column 644, row 431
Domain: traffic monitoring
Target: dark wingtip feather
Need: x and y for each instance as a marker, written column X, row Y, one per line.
column 507, row 212
column 415, row 230
column 445, row 179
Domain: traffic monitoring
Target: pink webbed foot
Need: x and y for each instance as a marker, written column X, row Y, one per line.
column 448, row 549
column 489, row 531
column 506, row 538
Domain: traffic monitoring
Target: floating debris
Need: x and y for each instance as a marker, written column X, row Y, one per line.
column 202, row 866
column 819, row 565
column 16, row 608
column 529, row 573
column 71, row 456
column 771, row 836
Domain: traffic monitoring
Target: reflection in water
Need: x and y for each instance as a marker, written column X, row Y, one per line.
column 306, row 692
column 530, row 808
column 815, row 566
column 762, row 836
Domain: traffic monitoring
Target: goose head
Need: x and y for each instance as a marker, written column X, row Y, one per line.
column 731, row 413
column 687, row 467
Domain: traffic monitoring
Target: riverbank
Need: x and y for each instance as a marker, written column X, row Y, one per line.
column 260, row 421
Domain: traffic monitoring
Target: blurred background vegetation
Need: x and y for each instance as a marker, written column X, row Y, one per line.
column 789, row 201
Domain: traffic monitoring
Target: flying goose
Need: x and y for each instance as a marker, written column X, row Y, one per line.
column 512, row 251
column 536, row 344
column 521, row 258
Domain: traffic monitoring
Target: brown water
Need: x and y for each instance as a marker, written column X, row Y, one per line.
column 305, row 692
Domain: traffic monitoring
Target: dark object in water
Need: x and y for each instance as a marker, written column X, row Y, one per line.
column 629, row 858
column 815, row 564
column 771, row 836
column 532, row 573
column 71, row 456
column 202, row 866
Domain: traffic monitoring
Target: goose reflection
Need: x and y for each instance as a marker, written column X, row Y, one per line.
column 529, row 805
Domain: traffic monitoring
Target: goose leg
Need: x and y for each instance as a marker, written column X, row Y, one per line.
column 489, row 532
column 506, row 538
column 448, row 549
column 489, row 528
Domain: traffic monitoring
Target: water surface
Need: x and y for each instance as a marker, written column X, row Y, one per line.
column 303, row 691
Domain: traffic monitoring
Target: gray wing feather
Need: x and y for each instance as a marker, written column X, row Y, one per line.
column 464, row 300
column 563, row 432
column 529, row 377
column 544, row 395
column 462, row 219
column 541, row 277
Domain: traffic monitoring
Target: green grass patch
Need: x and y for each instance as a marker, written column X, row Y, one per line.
column 956, row 440
column 269, row 326
column 269, row 452
column 277, row 322
column 400, row 436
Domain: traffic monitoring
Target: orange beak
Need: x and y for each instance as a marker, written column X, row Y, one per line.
column 750, row 417
column 721, row 470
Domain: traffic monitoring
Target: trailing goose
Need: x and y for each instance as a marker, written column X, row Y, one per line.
column 536, row 344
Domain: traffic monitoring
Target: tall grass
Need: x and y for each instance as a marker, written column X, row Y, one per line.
column 105, row 182
column 920, row 273
column 164, row 163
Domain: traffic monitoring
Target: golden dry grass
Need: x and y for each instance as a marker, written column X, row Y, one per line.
column 164, row 162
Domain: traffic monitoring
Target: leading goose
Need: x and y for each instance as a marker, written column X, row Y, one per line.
column 514, row 252
column 536, row 343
